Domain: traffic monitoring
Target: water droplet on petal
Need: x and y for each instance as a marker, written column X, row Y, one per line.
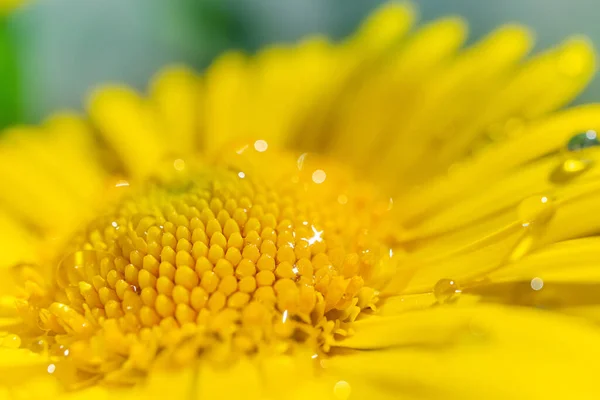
column 445, row 290
column 122, row 183
column 535, row 210
column 79, row 266
column 261, row 145
column 319, row 176
column 569, row 169
column 533, row 213
column 39, row 346
column 179, row 164
column 51, row 368
column 537, row 283
column 583, row 141
column 522, row 247
column 342, row 390
column 300, row 161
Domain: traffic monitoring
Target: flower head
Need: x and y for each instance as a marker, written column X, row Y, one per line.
column 388, row 216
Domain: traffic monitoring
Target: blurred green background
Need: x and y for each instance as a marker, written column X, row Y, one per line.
column 53, row 51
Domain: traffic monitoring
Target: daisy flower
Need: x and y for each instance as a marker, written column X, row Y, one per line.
column 392, row 216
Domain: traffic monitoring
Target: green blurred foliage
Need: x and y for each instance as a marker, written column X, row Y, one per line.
column 52, row 52
column 10, row 94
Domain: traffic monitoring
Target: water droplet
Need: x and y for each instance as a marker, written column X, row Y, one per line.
column 572, row 166
column 583, row 141
column 51, row 368
column 390, row 205
column 121, row 183
column 241, row 175
column 242, row 149
column 533, row 214
column 569, row 169
column 535, row 210
column 445, row 290
column 58, row 350
column 141, row 224
column 300, row 161
column 39, row 346
column 261, row 145
column 342, row 390
column 319, row 176
column 537, row 283
column 523, row 245
column 284, row 316
column 79, row 266
column 179, row 164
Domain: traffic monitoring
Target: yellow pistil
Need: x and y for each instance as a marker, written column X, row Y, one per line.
column 257, row 252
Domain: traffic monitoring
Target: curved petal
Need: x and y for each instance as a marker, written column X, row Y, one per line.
column 476, row 352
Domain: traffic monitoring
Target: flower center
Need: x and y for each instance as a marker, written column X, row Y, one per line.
column 256, row 251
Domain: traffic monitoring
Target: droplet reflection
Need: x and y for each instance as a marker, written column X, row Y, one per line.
column 261, row 145
column 319, row 176
column 569, row 169
column 537, row 283
column 445, row 290
column 179, row 164
column 342, row 390
column 537, row 209
column 583, row 141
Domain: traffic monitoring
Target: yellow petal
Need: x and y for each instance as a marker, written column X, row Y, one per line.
column 127, row 124
column 472, row 353
column 176, row 92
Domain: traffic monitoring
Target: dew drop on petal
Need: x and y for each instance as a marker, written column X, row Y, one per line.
column 78, row 266
column 533, row 213
column 537, row 283
column 261, row 146
column 39, row 346
column 569, row 169
column 121, row 183
column 445, row 290
column 51, row 368
column 535, row 210
column 319, row 176
column 583, row 141
column 179, row 164
column 522, row 247
column 342, row 390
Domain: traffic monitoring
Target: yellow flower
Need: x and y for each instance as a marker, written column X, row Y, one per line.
column 388, row 217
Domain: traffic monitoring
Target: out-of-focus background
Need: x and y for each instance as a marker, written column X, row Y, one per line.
column 53, row 51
